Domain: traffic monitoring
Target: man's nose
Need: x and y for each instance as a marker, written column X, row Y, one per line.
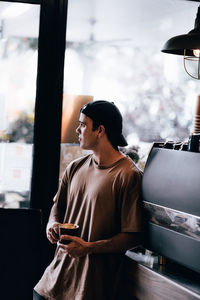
column 78, row 129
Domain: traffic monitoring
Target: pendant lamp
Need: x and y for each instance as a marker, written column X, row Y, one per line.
column 187, row 45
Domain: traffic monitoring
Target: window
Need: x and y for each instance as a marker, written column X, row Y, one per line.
column 114, row 53
column 19, row 27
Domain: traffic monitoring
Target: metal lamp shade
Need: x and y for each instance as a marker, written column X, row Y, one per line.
column 184, row 45
column 188, row 42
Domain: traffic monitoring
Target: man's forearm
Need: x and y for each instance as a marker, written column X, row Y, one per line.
column 54, row 216
column 52, row 228
column 117, row 244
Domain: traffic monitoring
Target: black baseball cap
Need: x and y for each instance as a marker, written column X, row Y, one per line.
column 106, row 113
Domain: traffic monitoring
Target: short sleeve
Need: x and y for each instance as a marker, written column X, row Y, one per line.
column 62, row 190
column 60, row 199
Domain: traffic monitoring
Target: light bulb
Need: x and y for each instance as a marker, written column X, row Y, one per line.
column 196, row 52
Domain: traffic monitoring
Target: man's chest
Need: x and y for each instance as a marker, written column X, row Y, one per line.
column 92, row 183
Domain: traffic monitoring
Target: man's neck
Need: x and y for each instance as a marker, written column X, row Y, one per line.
column 107, row 157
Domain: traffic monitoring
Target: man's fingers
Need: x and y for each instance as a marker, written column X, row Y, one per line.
column 71, row 238
column 63, row 246
column 53, row 241
column 56, row 230
column 66, row 249
column 51, row 233
column 52, row 237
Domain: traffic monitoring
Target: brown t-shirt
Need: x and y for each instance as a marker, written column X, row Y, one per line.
column 103, row 201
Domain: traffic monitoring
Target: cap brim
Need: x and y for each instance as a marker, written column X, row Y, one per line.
column 122, row 141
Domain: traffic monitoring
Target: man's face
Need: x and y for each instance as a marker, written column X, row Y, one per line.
column 87, row 137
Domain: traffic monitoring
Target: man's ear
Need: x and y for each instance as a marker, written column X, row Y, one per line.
column 101, row 130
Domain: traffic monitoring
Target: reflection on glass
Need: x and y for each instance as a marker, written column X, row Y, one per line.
column 174, row 220
column 19, row 24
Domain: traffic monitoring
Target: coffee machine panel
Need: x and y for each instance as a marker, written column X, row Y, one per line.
column 171, row 201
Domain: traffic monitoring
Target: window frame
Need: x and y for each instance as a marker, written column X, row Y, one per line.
column 48, row 103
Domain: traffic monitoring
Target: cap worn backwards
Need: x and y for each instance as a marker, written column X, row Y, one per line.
column 106, row 113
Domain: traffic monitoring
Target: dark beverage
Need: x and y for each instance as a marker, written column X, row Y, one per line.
column 69, row 229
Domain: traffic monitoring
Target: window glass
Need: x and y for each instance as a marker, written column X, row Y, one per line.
column 19, row 26
column 114, row 53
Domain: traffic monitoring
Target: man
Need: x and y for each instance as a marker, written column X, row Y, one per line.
column 100, row 192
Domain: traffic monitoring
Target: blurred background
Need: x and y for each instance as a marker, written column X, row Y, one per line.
column 113, row 52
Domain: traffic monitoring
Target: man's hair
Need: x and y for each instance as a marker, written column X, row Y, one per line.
column 108, row 133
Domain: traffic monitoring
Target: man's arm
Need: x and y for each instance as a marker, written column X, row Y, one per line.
column 57, row 212
column 117, row 244
column 55, row 218
column 52, row 229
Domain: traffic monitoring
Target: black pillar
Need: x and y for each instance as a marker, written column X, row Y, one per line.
column 48, row 111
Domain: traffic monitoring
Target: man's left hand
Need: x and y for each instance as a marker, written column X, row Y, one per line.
column 76, row 248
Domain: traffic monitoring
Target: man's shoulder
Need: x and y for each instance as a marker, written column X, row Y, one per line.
column 130, row 169
column 78, row 162
column 130, row 165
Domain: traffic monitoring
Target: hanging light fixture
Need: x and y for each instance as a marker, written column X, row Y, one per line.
column 187, row 45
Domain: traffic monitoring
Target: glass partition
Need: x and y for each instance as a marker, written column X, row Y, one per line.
column 19, row 28
column 114, row 53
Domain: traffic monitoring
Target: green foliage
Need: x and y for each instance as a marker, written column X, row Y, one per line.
column 21, row 130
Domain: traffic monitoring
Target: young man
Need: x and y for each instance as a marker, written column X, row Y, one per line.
column 100, row 192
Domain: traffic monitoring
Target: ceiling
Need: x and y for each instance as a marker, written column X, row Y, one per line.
column 135, row 21
column 139, row 22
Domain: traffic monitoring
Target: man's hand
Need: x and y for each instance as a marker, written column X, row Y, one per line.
column 119, row 243
column 53, row 232
column 76, row 248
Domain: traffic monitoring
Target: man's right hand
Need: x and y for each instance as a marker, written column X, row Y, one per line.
column 53, row 232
